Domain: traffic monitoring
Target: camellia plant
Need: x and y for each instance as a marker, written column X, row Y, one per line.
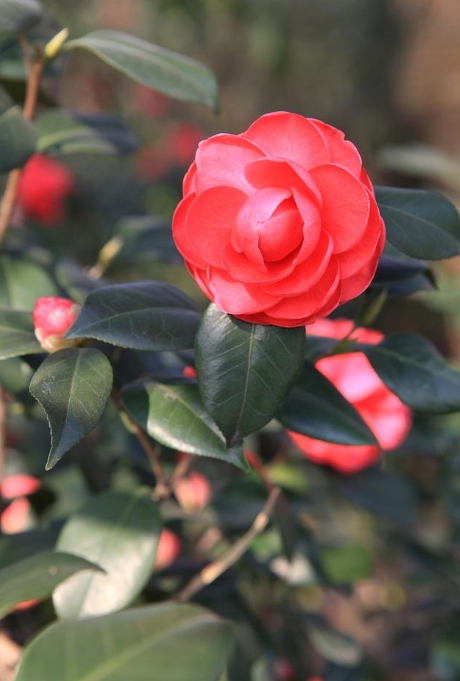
column 177, row 529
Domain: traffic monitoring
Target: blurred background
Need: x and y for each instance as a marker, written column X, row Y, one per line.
column 386, row 72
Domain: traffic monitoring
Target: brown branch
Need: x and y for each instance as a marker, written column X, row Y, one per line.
column 35, row 72
column 161, row 488
column 212, row 571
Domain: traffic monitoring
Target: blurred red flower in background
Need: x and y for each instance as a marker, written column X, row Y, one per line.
column 352, row 374
column 44, row 186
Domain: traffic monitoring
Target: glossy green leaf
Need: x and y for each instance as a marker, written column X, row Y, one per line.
column 414, row 370
column 347, row 564
column 119, row 531
column 175, row 416
column 73, row 387
column 22, row 282
column 17, row 547
column 159, row 68
column 245, row 370
column 420, row 223
column 17, row 16
column 316, row 408
column 37, row 576
column 65, row 132
column 167, row 642
column 147, row 315
column 17, row 138
column 17, row 335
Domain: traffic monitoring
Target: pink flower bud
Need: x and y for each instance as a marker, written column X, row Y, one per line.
column 193, row 492
column 52, row 318
column 168, row 549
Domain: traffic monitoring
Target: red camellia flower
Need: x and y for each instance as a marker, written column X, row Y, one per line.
column 352, row 374
column 279, row 225
column 193, row 492
column 168, row 549
column 44, row 186
column 53, row 317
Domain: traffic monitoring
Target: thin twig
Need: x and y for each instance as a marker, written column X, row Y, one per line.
column 180, row 471
column 212, row 571
column 35, row 72
column 161, row 488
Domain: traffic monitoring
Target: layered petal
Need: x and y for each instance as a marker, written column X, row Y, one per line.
column 289, row 136
column 346, row 205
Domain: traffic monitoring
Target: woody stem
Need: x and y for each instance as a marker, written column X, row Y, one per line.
column 34, row 72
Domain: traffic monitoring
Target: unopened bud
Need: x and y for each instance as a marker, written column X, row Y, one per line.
column 53, row 317
column 55, row 45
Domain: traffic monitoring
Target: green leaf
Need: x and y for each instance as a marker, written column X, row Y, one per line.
column 151, row 65
column 64, row 132
column 73, row 387
column 119, row 531
column 36, row 577
column 387, row 495
column 16, row 16
column 15, row 376
column 148, row 315
column 316, row 408
column 245, row 370
column 334, row 646
column 17, row 335
column 175, row 416
column 420, row 223
column 347, row 564
column 17, row 138
column 414, row 370
column 167, row 642
column 22, row 282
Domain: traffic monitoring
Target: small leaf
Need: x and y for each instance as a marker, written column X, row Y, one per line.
column 149, row 315
column 420, row 223
column 119, row 531
column 22, row 282
column 175, row 416
column 36, row 577
column 68, row 132
column 167, row 642
column 17, row 139
column 245, row 370
column 15, row 377
column 16, row 16
column 414, row 370
column 73, row 387
column 334, row 646
column 347, row 564
column 158, row 68
column 17, row 335
column 316, row 408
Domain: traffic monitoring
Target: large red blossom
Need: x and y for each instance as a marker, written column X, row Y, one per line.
column 279, row 225
column 352, row 374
